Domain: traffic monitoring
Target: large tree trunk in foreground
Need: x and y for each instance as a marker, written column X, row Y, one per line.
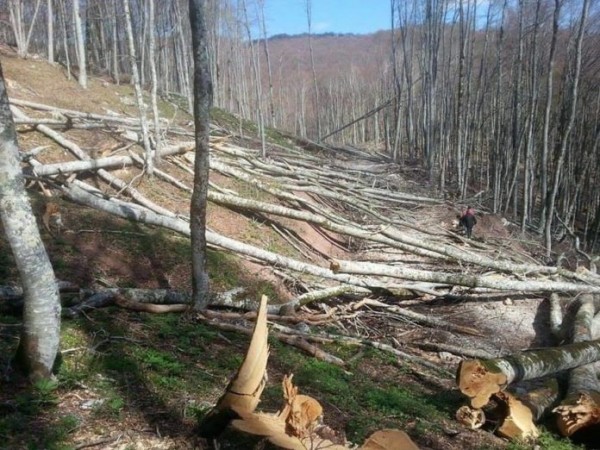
column 479, row 379
column 202, row 104
column 581, row 407
column 40, row 337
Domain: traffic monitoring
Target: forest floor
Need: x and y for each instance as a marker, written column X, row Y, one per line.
column 132, row 380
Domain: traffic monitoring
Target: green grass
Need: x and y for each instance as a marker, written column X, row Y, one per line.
column 546, row 441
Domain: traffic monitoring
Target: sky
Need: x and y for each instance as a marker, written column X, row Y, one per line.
column 328, row 16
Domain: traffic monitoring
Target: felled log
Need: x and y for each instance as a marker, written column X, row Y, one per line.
column 145, row 215
column 517, row 422
column 516, row 414
column 100, row 163
column 581, row 407
column 472, row 418
column 460, row 279
column 389, row 439
column 478, row 379
column 106, row 297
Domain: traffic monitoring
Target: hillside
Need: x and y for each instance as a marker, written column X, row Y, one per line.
column 278, row 226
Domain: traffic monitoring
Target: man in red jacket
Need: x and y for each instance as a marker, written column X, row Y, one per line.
column 468, row 220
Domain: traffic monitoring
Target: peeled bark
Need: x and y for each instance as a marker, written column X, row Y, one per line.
column 480, row 379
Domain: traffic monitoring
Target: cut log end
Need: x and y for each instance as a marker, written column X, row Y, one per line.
column 334, row 266
column 584, row 413
column 470, row 417
column 518, row 419
column 479, row 382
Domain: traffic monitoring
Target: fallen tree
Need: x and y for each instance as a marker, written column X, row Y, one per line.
column 460, row 279
column 479, row 379
column 581, row 407
column 130, row 211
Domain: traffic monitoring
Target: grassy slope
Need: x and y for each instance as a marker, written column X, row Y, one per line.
column 146, row 378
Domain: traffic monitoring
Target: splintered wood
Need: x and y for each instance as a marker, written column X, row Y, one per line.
column 297, row 424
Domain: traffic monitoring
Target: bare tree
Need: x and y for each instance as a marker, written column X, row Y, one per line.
column 568, row 128
column 17, row 19
column 138, row 91
column 40, row 337
column 263, row 27
column 202, row 105
column 152, row 51
column 50, row 18
column 79, row 37
column 312, row 65
column 255, row 57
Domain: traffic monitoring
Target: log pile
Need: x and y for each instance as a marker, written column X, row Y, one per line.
column 568, row 396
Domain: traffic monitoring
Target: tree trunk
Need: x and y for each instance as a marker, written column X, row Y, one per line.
column 153, row 77
column 581, row 407
column 567, row 132
column 149, row 153
column 50, row 18
column 460, row 279
column 40, row 337
column 202, row 105
column 79, row 37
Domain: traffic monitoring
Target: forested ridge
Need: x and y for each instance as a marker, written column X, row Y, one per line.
column 339, row 168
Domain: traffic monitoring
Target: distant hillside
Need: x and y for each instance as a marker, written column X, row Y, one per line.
column 335, row 56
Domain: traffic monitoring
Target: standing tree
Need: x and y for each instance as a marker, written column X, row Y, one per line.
column 568, row 127
column 40, row 337
column 80, row 39
column 152, row 51
column 50, row 18
column 202, row 103
column 135, row 76
column 312, row 65
column 22, row 38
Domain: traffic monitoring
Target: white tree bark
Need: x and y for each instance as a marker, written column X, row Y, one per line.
column 138, row 91
column 41, row 316
column 491, row 282
column 81, row 57
column 152, row 51
column 50, row 18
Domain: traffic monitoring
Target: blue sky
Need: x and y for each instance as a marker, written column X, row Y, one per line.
column 335, row 16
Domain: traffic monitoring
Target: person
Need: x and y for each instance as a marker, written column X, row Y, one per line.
column 468, row 220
